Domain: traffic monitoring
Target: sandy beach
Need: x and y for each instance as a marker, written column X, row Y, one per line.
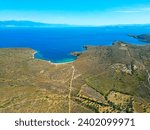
column 52, row 63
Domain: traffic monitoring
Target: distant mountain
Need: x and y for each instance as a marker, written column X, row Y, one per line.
column 13, row 23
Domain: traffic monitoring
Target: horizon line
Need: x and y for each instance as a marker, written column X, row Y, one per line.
column 77, row 25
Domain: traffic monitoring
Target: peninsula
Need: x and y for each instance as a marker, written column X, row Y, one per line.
column 142, row 37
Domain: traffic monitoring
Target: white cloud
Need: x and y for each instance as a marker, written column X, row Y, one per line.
column 145, row 9
column 128, row 11
column 136, row 10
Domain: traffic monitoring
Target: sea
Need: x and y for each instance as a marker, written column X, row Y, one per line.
column 56, row 44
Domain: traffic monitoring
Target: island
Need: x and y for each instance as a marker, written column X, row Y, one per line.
column 142, row 37
column 103, row 79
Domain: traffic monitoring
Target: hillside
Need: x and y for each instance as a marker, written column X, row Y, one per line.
column 103, row 79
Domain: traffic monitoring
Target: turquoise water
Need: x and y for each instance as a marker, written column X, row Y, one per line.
column 56, row 44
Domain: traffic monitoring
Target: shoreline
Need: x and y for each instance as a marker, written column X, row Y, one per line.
column 69, row 62
column 52, row 63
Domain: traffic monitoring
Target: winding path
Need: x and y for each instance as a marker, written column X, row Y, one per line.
column 148, row 76
column 70, row 88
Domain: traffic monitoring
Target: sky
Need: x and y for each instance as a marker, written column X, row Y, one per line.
column 77, row 12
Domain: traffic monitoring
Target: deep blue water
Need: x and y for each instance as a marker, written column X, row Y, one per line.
column 56, row 44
